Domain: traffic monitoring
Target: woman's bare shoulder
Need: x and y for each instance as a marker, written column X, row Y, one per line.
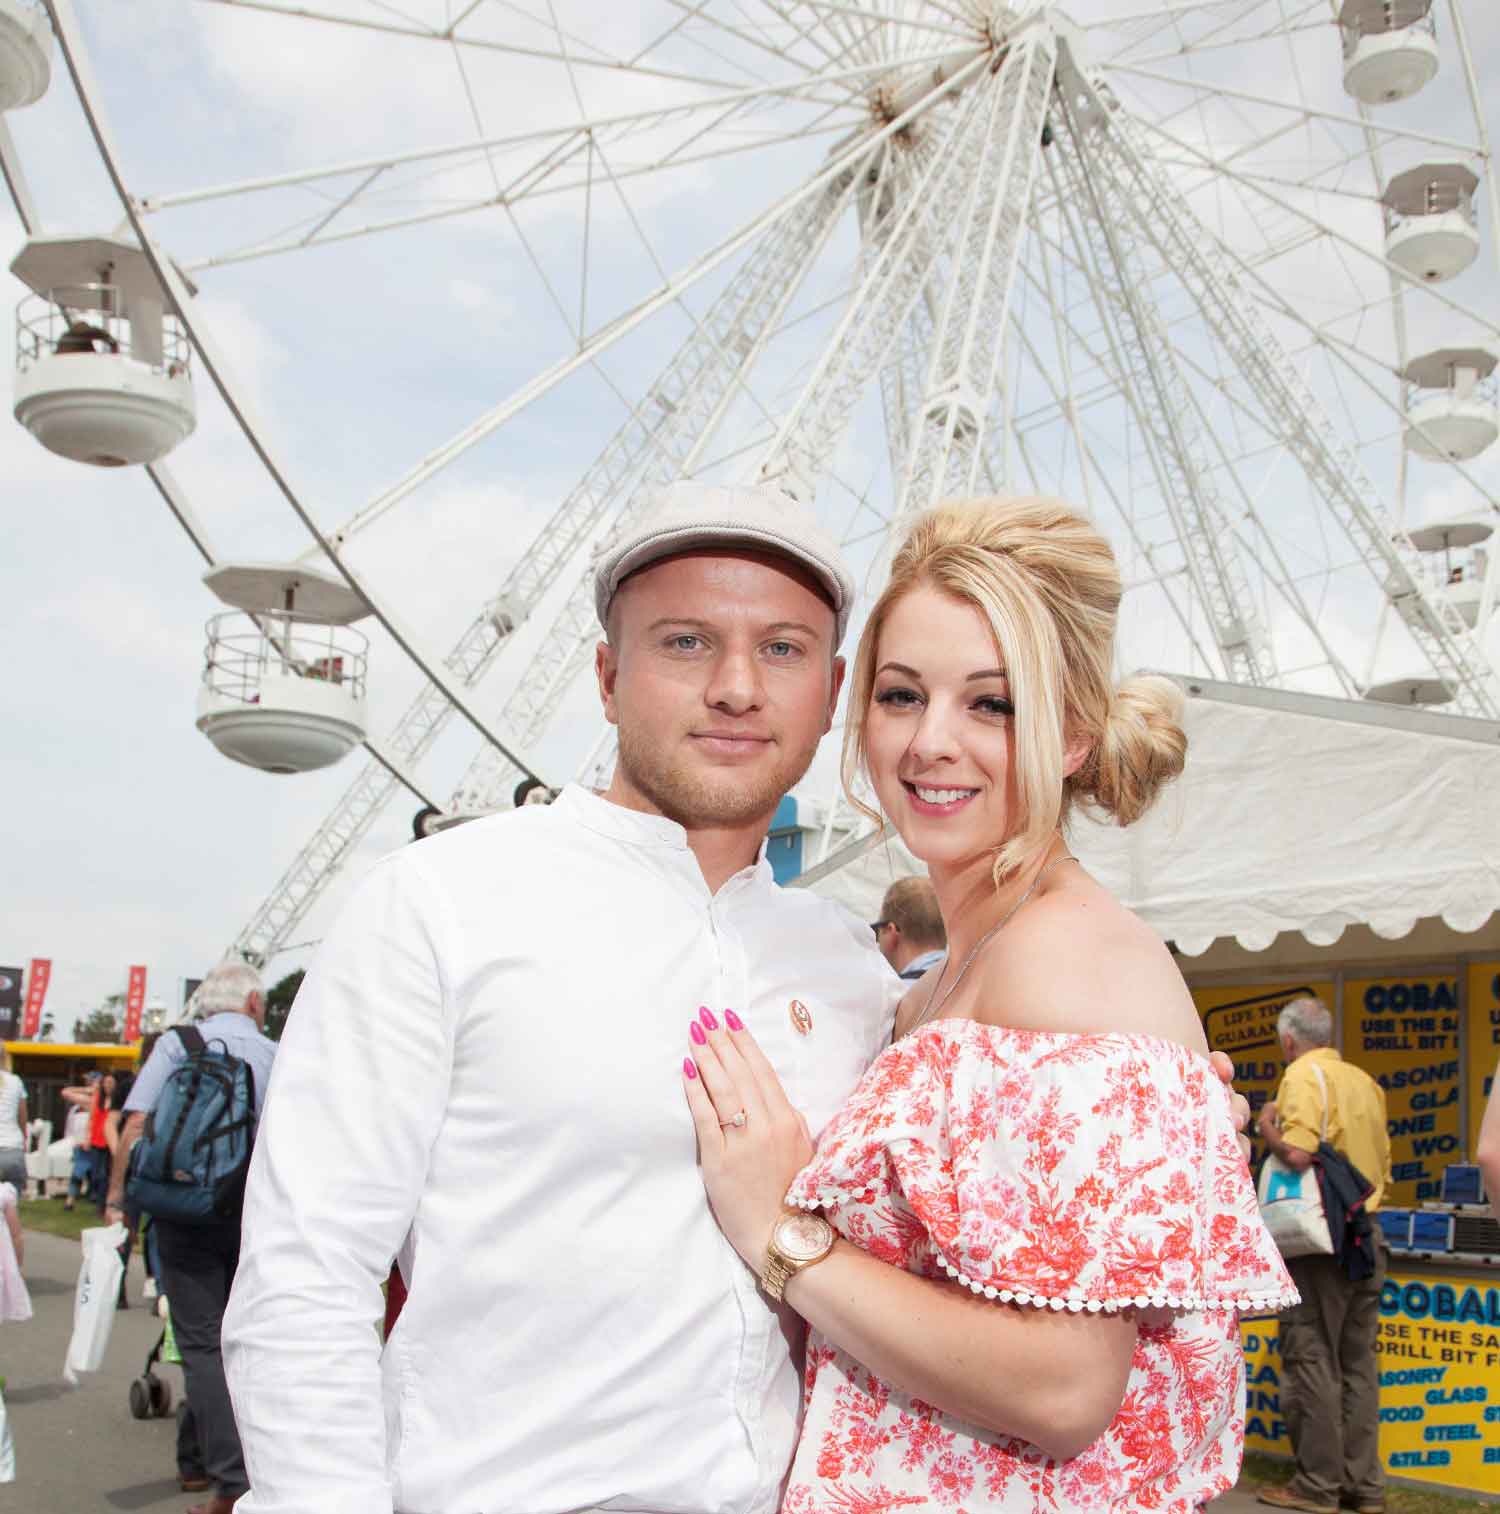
column 1076, row 960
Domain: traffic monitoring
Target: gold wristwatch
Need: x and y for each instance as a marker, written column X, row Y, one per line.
column 798, row 1241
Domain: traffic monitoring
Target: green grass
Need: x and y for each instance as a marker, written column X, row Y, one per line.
column 1262, row 1470
column 49, row 1216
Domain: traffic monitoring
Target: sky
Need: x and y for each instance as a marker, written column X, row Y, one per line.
column 131, row 839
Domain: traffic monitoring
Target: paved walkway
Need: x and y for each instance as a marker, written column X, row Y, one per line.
column 77, row 1449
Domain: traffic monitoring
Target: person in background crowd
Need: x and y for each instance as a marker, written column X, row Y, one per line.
column 910, row 930
column 1488, row 1155
column 76, row 1130
column 1330, row 1388
column 97, row 1097
column 13, row 1122
column 124, row 1082
column 531, row 791
column 15, row 1301
column 199, row 1261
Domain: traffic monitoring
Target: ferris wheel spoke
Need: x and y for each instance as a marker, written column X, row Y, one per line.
column 1110, row 236
column 1332, row 466
column 744, row 35
column 1356, row 361
column 1298, row 108
column 1408, row 280
column 450, row 35
column 546, row 142
column 805, row 32
column 1066, row 400
column 884, row 19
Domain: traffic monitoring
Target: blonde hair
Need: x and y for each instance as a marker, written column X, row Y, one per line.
column 1047, row 584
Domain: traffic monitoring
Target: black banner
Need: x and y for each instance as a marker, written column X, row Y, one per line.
column 10, row 1002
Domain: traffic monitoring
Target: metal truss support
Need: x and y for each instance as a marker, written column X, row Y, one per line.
column 659, row 435
column 967, row 344
column 694, row 394
column 1160, row 397
column 1332, row 466
column 893, row 280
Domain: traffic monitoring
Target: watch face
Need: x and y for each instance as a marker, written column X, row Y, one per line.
column 803, row 1237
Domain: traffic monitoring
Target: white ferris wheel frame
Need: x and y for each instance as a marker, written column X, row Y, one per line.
column 1165, row 406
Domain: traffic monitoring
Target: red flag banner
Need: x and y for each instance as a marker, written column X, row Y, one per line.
column 135, row 1000
column 37, row 979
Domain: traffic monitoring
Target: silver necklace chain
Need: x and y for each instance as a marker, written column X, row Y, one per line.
column 933, row 1002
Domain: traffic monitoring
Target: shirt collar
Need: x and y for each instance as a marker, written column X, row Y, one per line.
column 636, row 828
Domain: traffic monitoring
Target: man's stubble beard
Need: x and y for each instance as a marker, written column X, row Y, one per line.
column 701, row 801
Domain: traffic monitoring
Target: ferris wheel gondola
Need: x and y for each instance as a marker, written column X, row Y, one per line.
column 284, row 671
column 25, row 53
column 103, row 373
column 1129, row 254
column 1390, row 49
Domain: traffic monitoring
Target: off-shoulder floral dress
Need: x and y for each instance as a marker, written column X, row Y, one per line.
column 1091, row 1173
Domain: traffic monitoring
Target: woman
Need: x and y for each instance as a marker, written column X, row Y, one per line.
column 1045, row 1129
column 14, row 1118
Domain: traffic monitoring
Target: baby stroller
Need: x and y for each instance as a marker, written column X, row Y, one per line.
column 150, row 1395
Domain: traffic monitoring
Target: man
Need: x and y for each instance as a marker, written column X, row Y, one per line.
column 910, row 930
column 198, row 1262
column 484, row 1075
column 1330, row 1392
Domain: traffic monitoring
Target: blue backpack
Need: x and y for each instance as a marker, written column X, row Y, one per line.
column 189, row 1166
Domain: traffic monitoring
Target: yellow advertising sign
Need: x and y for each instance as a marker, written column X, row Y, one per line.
column 1439, row 1353
column 1241, row 1022
column 1483, row 1041
column 1404, row 1032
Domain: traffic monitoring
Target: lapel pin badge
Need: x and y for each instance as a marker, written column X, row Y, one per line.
column 801, row 1017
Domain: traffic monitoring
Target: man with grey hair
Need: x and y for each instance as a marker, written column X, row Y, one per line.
column 199, row 1261
column 1330, row 1391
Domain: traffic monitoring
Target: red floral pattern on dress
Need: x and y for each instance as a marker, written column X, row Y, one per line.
column 1085, row 1172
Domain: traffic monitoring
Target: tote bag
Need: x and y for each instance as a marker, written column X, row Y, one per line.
column 1291, row 1202
column 94, row 1300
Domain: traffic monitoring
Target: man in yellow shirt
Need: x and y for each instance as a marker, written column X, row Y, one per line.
column 1330, row 1389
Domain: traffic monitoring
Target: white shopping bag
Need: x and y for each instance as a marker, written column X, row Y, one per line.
column 7, row 1445
column 94, row 1302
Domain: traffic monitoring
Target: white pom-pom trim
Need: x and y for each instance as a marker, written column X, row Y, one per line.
column 1076, row 1301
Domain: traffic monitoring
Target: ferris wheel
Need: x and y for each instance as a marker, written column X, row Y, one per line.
column 1223, row 272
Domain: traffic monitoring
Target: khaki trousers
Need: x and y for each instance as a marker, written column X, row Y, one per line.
column 1330, row 1384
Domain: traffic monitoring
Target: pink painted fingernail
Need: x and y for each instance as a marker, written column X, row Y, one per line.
column 689, row 1068
column 695, row 1030
column 733, row 1021
column 707, row 1016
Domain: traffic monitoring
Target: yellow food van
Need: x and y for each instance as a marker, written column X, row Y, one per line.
column 1421, row 1014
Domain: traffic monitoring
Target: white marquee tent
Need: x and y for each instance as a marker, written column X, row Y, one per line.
column 1295, row 813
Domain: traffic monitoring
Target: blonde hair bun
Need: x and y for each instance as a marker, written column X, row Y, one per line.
column 1143, row 748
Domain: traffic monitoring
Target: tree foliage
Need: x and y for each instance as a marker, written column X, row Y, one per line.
column 279, row 1003
column 102, row 1024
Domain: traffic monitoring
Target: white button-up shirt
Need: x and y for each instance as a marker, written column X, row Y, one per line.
column 484, row 1069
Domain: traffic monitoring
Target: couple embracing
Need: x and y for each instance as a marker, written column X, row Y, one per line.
column 700, row 1208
